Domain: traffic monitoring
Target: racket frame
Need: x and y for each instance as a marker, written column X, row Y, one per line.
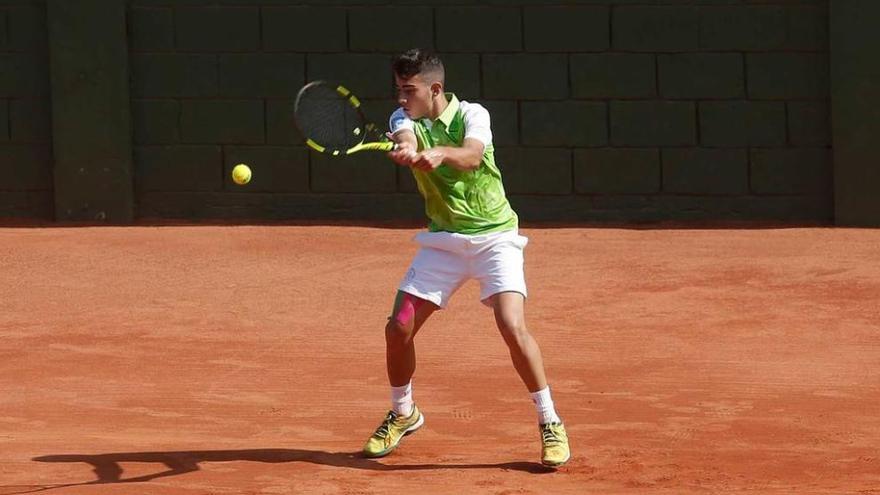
column 368, row 128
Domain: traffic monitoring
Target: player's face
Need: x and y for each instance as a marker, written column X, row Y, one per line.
column 414, row 95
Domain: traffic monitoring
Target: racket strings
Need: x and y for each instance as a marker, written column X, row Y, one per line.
column 327, row 118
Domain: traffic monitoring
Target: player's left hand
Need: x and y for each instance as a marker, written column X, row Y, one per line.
column 428, row 160
column 403, row 155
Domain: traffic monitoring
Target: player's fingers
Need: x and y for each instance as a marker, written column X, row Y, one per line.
column 405, row 149
column 424, row 164
column 397, row 157
column 405, row 158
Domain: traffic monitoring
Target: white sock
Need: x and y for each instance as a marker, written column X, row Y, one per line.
column 544, row 406
column 401, row 399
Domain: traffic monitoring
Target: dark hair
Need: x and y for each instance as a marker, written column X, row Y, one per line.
column 417, row 61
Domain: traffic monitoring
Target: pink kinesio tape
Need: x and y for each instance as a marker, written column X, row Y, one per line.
column 407, row 310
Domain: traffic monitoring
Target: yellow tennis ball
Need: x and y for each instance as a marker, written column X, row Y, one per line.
column 241, row 174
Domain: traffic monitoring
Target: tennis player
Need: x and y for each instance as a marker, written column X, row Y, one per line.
column 472, row 235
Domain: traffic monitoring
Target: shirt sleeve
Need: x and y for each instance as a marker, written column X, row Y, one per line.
column 399, row 121
column 477, row 123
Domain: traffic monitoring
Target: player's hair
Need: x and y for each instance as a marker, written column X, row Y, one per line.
column 418, row 61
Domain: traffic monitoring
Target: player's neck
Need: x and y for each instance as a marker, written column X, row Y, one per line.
column 438, row 105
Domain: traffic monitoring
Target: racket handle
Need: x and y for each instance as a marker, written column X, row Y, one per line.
column 380, row 146
column 391, row 139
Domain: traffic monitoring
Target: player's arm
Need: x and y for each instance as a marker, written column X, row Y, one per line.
column 402, row 134
column 468, row 157
column 407, row 145
column 404, row 137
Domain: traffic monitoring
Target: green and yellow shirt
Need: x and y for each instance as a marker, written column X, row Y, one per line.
column 471, row 202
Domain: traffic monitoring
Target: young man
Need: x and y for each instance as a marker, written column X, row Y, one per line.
column 472, row 234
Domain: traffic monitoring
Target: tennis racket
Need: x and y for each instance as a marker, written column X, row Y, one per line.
column 331, row 121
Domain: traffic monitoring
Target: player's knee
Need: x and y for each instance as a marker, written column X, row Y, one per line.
column 514, row 330
column 510, row 322
column 399, row 330
column 398, row 334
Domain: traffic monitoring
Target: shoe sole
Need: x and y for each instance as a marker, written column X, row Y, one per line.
column 556, row 464
column 412, row 429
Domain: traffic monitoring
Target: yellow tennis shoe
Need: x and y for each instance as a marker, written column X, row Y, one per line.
column 392, row 430
column 554, row 445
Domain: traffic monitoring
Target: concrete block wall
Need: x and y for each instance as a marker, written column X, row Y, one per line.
column 622, row 110
column 25, row 111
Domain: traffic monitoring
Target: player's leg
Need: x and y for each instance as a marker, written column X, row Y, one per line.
column 526, row 355
column 509, row 308
column 435, row 274
column 503, row 288
column 524, row 351
column 407, row 317
column 433, row 277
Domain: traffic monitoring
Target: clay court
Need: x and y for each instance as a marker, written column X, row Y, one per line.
column 213, row 359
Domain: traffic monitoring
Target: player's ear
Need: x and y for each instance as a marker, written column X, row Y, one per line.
column 436, row 88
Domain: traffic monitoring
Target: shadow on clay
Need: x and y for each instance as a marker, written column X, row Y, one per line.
column 108, row 470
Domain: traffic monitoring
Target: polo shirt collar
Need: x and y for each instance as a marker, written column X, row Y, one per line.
column 450, row 110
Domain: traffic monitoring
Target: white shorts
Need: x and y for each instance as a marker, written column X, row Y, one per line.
column 447, row 260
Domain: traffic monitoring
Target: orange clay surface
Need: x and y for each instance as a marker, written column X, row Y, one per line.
column 250, row 360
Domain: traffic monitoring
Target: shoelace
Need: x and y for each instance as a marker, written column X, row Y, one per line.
column 385, row 427
column 548, row 436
